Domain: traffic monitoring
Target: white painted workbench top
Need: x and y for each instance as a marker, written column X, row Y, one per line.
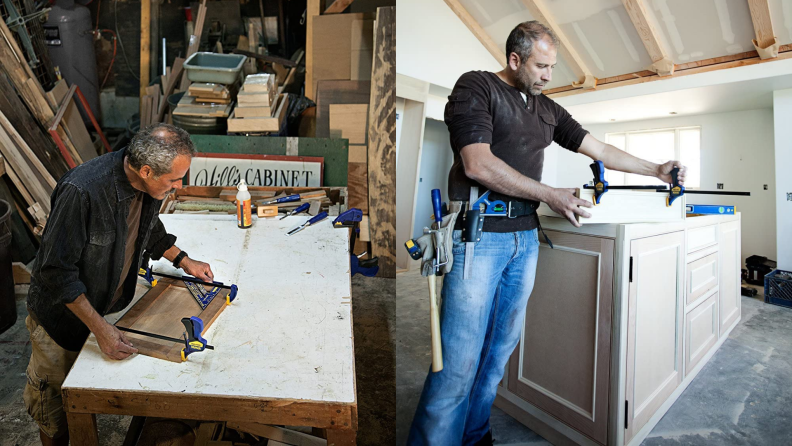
column 288, row 334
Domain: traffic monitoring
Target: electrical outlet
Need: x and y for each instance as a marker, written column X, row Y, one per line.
column 789, row 196
column 765, row 187
column 720, row 185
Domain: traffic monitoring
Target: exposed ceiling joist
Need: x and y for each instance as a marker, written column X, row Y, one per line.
column 765, row 43
column 585, row 79
column 662, row 62
column 338, row 6
column 477, row 31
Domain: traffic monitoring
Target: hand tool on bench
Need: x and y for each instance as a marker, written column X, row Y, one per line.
column 199, row 293
column 193, row 341
column 302, row 208
column 286, row 199
column 314, row 220
column 351, row 219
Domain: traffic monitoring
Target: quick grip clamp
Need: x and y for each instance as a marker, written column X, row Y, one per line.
column 193, row 341
column 600, row 185
column 676, row 190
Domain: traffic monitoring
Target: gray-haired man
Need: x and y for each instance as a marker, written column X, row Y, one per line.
column 103, row 223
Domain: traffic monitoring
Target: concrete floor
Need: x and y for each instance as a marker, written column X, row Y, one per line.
column 741, row 397
column 373, row 317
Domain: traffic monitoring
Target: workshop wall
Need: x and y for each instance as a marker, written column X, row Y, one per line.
column 737, row 149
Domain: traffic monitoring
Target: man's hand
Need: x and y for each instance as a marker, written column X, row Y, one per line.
column 197, row 269
column 113, row 342
column 565, row 203
column 664, row 171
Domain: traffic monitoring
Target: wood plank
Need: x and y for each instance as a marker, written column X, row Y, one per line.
column 474, row 27
column 662, row 62
column 314, row 8
column 626, row 206
column 357, row 186
column 362, row 50
column 349, row 121
column 21, row 273
column 358, row 153
column 145, row 45
column 19, row 166
column 24, row 149
column 256, row 99
column 265, row 124
column 259, row 83
column 341, row 437
column 72, row 121
column 762, row 24
column 332, row 42
column 364, row 229
column 253, row 112
column 566, row 50
column 207, row 90
column 286, row 436
column 337, row 92
column 382, row 143
column 2, row 166
column 338, row 6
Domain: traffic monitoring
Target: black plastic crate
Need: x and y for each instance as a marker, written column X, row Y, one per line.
column 778, row 288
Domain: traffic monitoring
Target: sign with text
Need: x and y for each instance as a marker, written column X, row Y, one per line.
column 223, row 169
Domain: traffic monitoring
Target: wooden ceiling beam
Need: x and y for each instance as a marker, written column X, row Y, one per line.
column 662, row 64
column 585, row 79
column 477, row 31
column 765, row 43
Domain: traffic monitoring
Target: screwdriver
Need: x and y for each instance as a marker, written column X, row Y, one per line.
column 302, row 208
column 286, row 199
column 319, row 217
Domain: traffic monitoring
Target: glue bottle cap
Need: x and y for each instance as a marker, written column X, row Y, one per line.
column 242, row 186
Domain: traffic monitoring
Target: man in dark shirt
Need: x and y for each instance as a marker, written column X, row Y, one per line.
column 500, row 124
column 103, row 224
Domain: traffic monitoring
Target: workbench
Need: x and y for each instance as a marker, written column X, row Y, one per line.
column 284, row 349
column 621, row 319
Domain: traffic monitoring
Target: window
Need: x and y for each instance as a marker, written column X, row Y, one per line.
column 658, row 146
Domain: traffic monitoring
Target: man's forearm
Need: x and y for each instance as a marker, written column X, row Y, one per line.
column 86, row 313
column 498, row 176
column 616, row 159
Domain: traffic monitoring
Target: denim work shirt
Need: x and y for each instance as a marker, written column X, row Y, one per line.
column 82, row 248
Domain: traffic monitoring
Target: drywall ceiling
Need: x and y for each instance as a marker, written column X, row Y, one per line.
column 744, row 95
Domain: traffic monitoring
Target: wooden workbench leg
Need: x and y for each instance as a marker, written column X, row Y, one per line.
column 82, row 429
column 341, row 437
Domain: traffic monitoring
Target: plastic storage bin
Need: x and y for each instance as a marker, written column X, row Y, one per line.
column 214, row 68
column 778, row 288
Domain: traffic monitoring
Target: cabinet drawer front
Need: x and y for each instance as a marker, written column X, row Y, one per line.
column 702, row 237
column 702, row 276
column 701, row 331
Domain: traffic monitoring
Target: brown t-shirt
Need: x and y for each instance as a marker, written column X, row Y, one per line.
column 133, row 225
column 484, row 109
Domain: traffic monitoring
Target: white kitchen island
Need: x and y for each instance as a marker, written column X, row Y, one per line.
column 621, row 320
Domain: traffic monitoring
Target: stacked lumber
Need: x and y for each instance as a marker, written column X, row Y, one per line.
column 206, row 100
column 154, row 103
column 215, row 200
column 260, row 109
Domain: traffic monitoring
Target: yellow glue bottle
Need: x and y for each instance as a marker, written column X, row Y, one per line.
column 244, row 219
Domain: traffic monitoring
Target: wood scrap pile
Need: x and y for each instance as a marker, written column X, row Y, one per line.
column 216, row 200
column 32, row 160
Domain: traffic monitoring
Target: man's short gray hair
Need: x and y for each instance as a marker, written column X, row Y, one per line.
column 523, row 36
column 157, row 146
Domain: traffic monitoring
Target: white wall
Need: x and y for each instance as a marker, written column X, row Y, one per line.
column 736, row 150
column 436, row 160
column 782, row 110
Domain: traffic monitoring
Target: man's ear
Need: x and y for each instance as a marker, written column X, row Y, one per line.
column 146, row 172
column 514, row 61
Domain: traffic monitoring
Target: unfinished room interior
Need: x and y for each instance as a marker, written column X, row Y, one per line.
column 663, row 318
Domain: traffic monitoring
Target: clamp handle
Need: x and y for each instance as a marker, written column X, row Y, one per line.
column 676, row 189
column 351, row 215
column 600, row 185
column 194, row 342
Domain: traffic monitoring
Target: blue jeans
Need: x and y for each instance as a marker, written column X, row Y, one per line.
column 481, row 320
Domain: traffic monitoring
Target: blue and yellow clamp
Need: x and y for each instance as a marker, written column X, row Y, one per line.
column 676, row 190
column 201, row 295
column 600, row 185
column 351, row 219
column 193, row 341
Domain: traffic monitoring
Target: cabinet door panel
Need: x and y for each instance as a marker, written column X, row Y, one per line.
column 702, row 276
column 729, row 290
column 654, row 341
column 561, row 364
column 701, row 331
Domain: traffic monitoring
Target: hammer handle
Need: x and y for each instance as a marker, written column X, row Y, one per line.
column 437, row 345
